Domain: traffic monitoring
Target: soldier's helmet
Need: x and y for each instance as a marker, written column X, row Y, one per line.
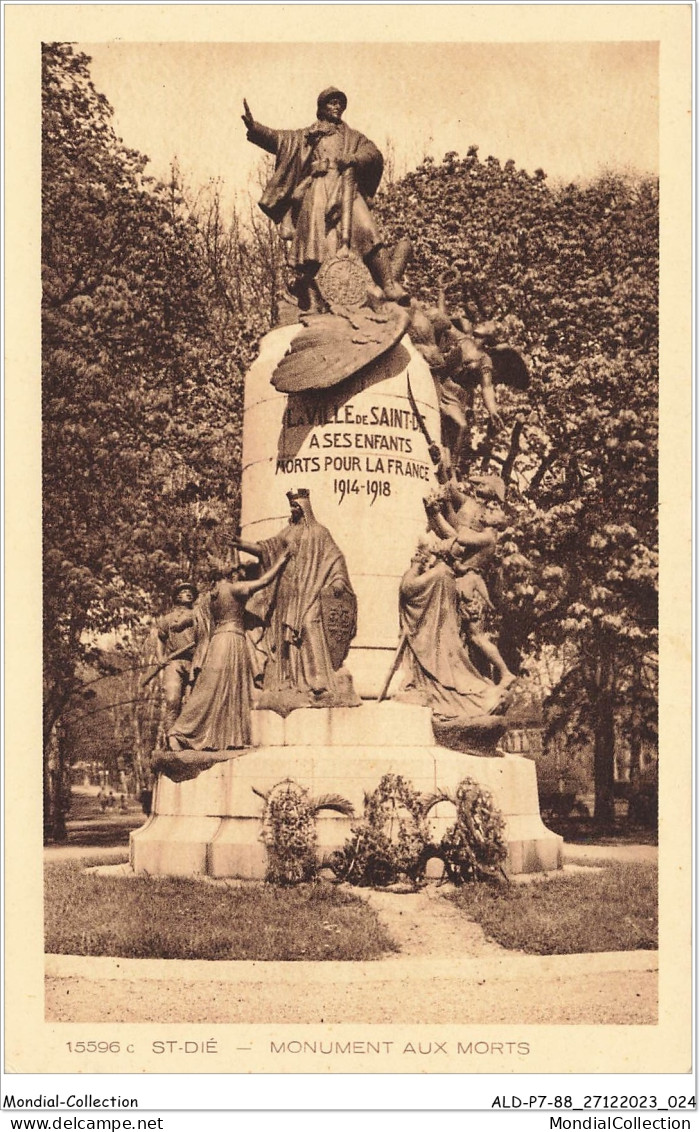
column 182, row 585
column 331, row 92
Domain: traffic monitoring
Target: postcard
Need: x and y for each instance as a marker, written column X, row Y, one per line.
column 348, row 391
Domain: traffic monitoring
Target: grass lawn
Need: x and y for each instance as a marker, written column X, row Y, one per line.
column 615, row 909
column 172, row 918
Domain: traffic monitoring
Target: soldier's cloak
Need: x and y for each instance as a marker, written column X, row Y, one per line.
column 293, row 153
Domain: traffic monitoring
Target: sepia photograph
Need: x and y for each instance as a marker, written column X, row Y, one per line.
column 348, row 611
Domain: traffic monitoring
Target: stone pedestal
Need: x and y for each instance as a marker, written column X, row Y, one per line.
column 211, row 825
column 360, row 451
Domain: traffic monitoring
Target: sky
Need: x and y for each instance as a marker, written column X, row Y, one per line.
column 571, row 109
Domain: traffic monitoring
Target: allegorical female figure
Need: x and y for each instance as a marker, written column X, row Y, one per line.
column 439, row 670
column 216, row 717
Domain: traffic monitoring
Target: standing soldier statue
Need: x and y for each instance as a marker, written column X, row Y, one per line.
column 324, row 177
column 177, row 638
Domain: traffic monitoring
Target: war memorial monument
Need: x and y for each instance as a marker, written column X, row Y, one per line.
column 346, row 635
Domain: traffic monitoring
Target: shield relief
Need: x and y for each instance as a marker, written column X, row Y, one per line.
column 339, row 618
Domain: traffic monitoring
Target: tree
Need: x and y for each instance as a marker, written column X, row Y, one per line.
column 114, row 720
column 141, row 401
column 571, row 275
column 245, row 269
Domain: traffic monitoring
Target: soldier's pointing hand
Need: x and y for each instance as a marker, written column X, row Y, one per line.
column 247, row 117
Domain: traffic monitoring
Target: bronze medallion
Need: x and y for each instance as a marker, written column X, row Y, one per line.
column 344, row 281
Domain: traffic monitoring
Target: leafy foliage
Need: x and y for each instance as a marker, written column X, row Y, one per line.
column 289, row 835
column 289, row 830
column 141, row 400
column 245, row 265
column 113, row 719
column 393, row 841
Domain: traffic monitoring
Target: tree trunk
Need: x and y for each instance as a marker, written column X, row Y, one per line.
column 635, row 742
column 54, row 790
column 48, row 807
column 604, row 748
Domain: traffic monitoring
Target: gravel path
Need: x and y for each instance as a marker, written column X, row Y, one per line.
column 527, row 992
column 426, row 924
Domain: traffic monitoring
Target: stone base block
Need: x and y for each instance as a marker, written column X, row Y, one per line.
column 212, row 824
column 236, row 849
column 532, row 848
column 373, row 724
column 175, row 846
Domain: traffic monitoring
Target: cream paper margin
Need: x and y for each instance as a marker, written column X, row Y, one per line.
column 34, row 1046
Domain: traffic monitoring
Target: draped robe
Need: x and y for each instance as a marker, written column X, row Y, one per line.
column 438, row 664
column 293, row 640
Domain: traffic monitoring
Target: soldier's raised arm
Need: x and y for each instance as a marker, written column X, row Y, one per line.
column 247, row 116
column 258, row 134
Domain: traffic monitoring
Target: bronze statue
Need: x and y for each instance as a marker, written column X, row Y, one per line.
column 439, row 670
column 308, row 618
column 464, row 357
column 470, row 540
column 216, row 717
column 473, row 602
column 318, row 195
column 176, row 640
